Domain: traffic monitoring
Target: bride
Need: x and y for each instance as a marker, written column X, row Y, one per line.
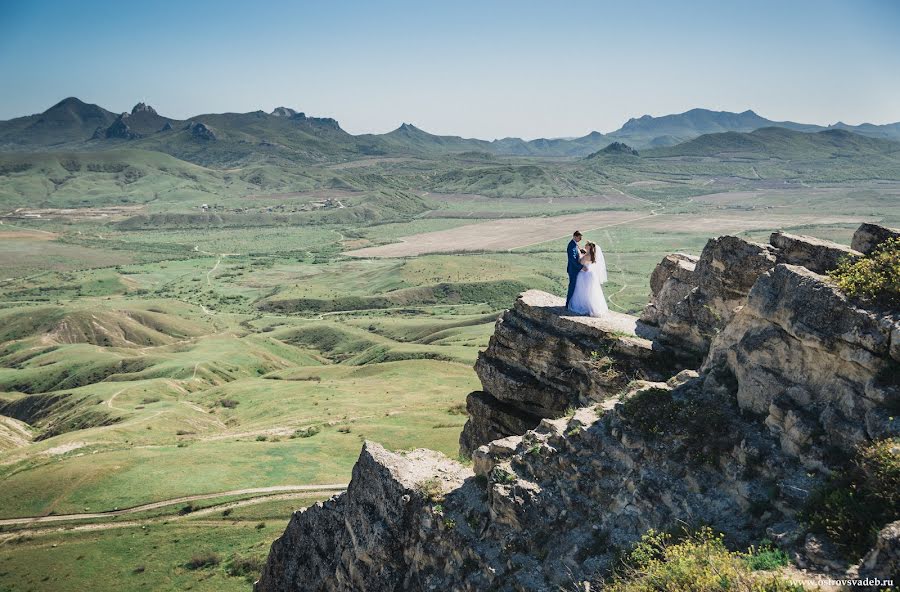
column 588, row 296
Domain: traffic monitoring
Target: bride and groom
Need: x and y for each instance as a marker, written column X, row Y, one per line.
column 587, row 270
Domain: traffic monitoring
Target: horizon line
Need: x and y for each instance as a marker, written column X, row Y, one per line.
column 495, row 139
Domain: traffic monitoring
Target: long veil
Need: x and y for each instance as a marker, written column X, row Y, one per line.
column 600, row 265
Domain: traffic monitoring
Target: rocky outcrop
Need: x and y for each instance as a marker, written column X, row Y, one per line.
column 795, row 375
column 143, row 108
column 368, row 538
column 811, row 363
column 141, row 122
column 869, row 236
column 120, row 129
column 691, row 306
column 820, row 256
column 492, row 419
column 283, row 112
column 543, row 360
column 201, row 131
column 670, row 283
column 616, row 148
column 692, row 299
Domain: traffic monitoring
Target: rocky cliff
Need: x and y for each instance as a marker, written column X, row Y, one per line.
column 748, row 385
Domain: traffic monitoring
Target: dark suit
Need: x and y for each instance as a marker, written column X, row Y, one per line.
column 573, row 267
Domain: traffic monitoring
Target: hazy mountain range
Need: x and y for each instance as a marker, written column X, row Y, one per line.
column 288, row 135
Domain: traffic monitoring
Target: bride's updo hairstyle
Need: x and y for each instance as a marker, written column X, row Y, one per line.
column 592, row 251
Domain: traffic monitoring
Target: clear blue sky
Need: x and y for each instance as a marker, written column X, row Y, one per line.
column 490, row 68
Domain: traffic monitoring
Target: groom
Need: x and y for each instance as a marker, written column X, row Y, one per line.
column 573, row 266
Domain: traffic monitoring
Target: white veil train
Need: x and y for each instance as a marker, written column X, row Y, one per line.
column 601, row 266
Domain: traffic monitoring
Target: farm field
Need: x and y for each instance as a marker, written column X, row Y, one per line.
column 498, row 235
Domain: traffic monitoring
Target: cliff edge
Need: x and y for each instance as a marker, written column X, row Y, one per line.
column 747, row 386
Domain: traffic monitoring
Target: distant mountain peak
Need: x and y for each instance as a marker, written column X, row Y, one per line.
column 75, row 105
column 143, row 108
column 616, row 148
column 68, row 103
column 620, row 148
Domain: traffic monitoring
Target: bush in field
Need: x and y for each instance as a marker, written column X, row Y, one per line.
column 247, row 567
column 875, row 277
column 306, row 432
column 203, row 560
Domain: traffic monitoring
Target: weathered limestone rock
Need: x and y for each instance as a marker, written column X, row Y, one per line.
column 811, row 362
column 795, row 376
column 360, row 540
column 869, row 236
column 883, row 561
column 670, row 283
column 691, row 307
column 820, row 256
column 543, row 360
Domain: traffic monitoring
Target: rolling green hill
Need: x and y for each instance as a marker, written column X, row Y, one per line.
column 109, row 177
column 776, row 142
column 70, row 120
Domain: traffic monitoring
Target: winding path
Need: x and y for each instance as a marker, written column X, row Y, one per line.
column 174, row 501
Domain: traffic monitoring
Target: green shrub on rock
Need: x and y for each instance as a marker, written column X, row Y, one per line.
column 698, row 563
column 875, row 277
column 856, row 503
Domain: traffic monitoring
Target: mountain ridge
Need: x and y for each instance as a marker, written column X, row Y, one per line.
column 290, row 135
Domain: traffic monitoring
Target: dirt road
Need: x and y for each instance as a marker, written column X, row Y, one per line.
column 174, row 501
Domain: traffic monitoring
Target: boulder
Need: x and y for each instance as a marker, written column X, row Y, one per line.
column 820, row 256
column 868, row 236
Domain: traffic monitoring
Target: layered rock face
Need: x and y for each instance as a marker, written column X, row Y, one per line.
column 817, row 367
column 542, row 361
column 794, row 375
column 692, row 299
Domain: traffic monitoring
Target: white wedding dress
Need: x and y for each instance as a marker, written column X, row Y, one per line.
column 588, row 297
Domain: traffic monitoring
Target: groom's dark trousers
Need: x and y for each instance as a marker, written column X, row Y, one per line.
column 573, row 277
column 573, row 266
